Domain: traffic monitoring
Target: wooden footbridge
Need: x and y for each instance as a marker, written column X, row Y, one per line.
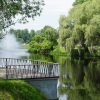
column 11, row 68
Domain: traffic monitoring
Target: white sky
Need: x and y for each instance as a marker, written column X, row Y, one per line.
column 52, row 10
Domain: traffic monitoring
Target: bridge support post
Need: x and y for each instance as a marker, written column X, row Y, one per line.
column 6, row 69
column 47, row 86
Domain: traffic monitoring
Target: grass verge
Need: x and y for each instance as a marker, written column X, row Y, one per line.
column 19, row 90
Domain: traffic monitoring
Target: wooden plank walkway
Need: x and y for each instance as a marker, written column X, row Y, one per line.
column 11, row 68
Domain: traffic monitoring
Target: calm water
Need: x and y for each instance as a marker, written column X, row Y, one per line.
column 79, row 78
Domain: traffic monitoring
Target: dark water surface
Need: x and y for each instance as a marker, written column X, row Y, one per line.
column 80, row 79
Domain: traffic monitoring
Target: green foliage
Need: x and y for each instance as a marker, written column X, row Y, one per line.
column 81, row 28
column 50, row 34
column 10, row 9
column 41, row 57
column 45, row 41
column 18, row 90
column 79, row 2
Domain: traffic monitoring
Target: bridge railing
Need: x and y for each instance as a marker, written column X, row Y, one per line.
column 27, row 69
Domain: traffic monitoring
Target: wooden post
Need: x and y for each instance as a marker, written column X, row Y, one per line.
column 6, row 69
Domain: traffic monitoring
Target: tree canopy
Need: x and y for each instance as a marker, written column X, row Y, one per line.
column 12, row 11
column 45, row 41
column 81, row 28
column 79, row 2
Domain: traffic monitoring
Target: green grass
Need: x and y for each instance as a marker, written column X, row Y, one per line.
column 19, row 90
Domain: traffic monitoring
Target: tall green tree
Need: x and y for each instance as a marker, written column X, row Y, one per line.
column 44, row 41
column 81, row 28
column 50, row 34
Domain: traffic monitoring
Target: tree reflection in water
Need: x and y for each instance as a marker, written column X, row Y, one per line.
column 80, row 79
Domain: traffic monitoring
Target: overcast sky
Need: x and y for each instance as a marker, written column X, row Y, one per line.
column 52, row 10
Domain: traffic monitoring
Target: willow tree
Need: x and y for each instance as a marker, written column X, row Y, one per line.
column 79, row 2
column 82, row 25
column 12, row 11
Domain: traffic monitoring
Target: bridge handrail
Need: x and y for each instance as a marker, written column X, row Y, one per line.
column 33, row 69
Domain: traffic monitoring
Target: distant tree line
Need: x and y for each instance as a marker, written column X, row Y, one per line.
column 42, row 41
column 23, row 36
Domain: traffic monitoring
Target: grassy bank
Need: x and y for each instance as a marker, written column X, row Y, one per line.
column 19, row 90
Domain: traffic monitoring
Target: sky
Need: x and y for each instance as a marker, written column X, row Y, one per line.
column 50, row 15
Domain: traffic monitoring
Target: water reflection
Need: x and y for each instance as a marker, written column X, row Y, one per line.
column 80, row 79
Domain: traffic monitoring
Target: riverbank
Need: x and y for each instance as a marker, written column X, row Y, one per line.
column 19, row 90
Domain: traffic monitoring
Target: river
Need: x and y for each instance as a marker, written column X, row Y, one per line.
column 79, row 79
